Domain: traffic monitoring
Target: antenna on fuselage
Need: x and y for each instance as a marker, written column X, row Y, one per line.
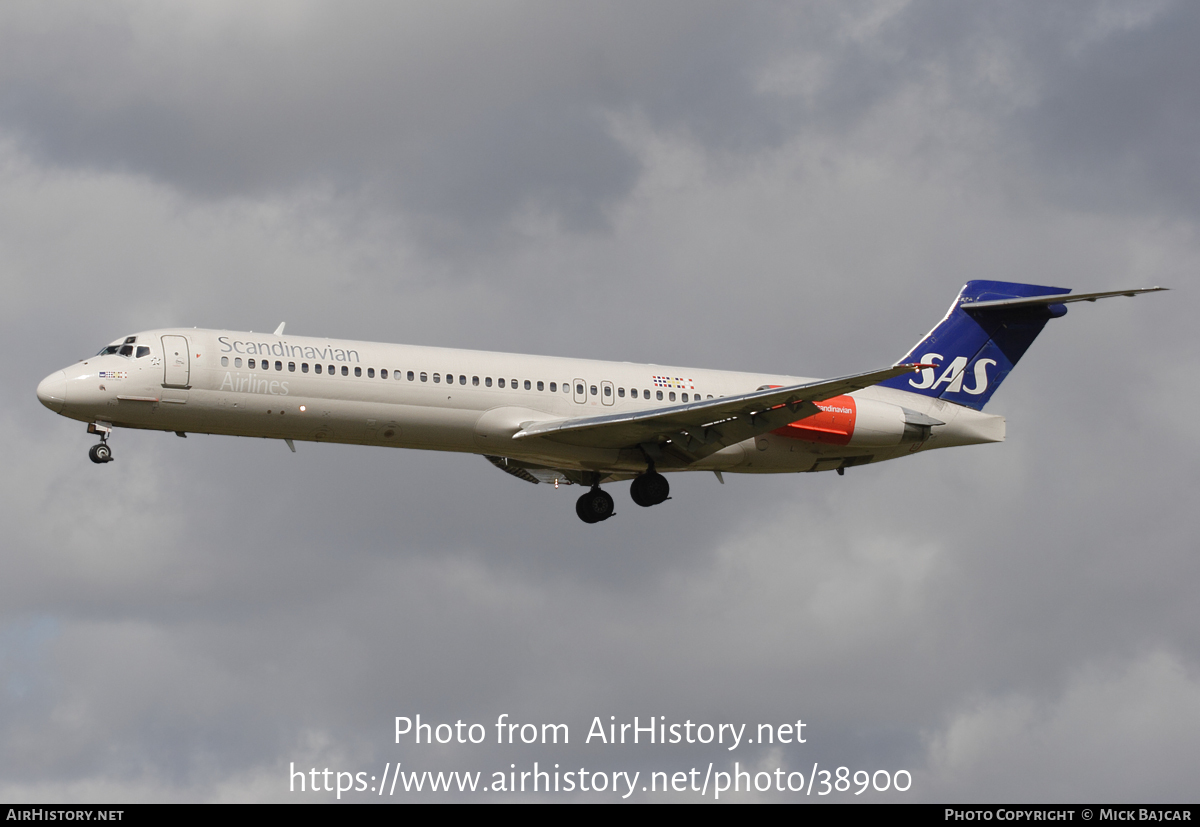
column 279, row 330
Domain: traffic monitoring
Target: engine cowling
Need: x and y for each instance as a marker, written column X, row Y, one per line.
column 846, row 420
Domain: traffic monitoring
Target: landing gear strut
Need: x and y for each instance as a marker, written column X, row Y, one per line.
column 651, row 488
column 594, row 506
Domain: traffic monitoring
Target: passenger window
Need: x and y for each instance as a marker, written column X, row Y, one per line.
column 475, row 381
column 541, row 385
column 317, row 368
column 304, row 367
column 358, row 371
column 437, row 377
column 383, row 373
column 685, row 399
column 279, row 366
column 250, row 364
column 593, row 389
column 142, row 351
column 566, row 387
column 424, row 376
column 224, row 361
column 237, row 361
column 671, row 396
column 621, row 392
column 291, row 367
column 332, row 370
column 553, row 387
column 462, row 380
column 527, row 385
column 410, row 376
column 659, row 394
column 514, row 384
column 370, row 373
column 345, row 371
column 500, row 382
column 487, row 381
column 579, row 389
column 608, row 390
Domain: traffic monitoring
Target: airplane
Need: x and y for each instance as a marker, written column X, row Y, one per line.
column 567, row 421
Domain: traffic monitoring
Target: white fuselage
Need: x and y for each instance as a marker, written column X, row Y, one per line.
column 406, row 396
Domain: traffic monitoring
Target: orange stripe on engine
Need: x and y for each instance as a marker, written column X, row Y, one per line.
column 834, row 425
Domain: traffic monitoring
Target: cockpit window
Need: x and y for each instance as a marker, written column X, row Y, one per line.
column 142, row 351
column 129, row 340
column 126, row 350
column 105, row 351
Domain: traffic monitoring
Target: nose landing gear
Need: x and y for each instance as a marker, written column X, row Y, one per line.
column 101, row 453
column 594, row 506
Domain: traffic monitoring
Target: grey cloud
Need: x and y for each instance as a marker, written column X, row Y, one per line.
column 467, row 115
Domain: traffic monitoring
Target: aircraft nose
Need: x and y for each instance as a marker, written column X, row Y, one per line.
column 52, row 391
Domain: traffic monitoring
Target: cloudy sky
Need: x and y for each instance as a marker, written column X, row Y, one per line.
column 781, row 187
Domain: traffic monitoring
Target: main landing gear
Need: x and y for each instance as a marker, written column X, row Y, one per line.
column 651, row 488
column 594, row 506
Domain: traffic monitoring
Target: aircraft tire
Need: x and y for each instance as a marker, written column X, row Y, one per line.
column 594, row 506
column 100, row 453
column 650, row 489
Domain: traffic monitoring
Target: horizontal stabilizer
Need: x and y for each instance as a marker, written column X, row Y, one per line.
column 1055, row 299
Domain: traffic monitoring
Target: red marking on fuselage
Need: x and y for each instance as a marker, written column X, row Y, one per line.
column 834, row 425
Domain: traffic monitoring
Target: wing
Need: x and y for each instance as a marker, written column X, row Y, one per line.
column 693, row 431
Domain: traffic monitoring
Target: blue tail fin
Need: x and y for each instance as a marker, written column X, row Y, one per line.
column 974, row 349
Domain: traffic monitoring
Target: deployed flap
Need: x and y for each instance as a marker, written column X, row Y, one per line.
column 702, row 428
column 528, row 471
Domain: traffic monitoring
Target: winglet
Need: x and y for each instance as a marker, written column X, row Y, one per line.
column 279, row 330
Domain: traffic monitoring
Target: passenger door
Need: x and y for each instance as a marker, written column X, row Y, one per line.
column 176, row 362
